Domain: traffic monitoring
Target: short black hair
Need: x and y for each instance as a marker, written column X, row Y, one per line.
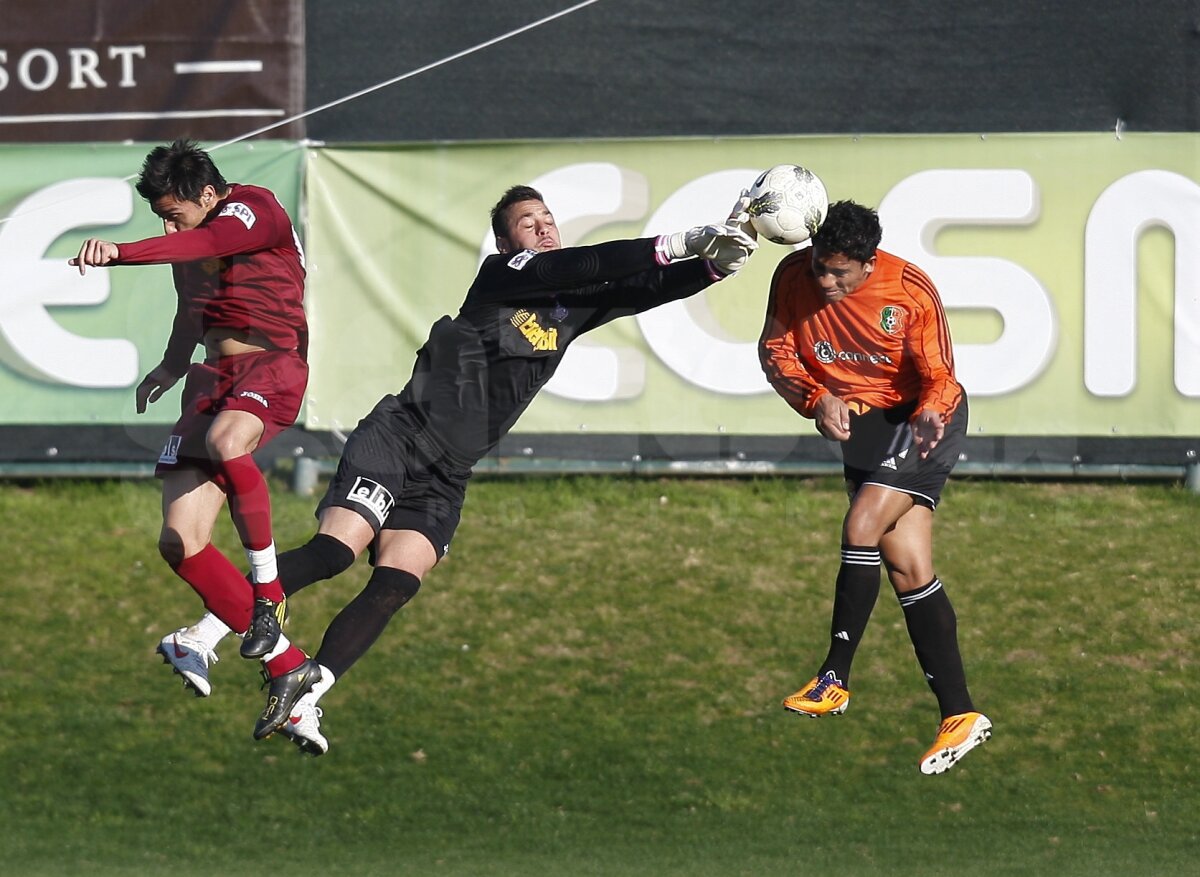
column 181, row 169
column 514, row 195
column 849, row 229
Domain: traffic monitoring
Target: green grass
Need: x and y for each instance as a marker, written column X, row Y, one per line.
column 590, row 685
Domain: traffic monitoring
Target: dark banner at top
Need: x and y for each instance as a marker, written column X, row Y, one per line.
column 106, row 70
column 709, row 68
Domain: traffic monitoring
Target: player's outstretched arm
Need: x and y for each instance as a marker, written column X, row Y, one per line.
column 94, row 253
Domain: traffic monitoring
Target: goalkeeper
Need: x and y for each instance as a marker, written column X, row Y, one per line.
column 401, row 480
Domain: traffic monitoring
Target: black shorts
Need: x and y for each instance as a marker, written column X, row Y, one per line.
column 394, row 476
column 880, row 451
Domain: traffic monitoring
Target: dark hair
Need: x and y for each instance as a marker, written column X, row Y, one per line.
column 182, row 169
column 849, row 229
column 515, row 195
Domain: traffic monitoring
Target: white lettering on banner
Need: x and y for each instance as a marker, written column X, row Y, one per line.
column 83, row 66
column 689, row 340
column 585, row 197
column 38, row 69
column 685, row 334
column 31, row 341
column 1125, row 210
column 920, row 206
column 27, row 66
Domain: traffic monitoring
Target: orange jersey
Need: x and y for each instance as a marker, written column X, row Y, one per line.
column 885, row 344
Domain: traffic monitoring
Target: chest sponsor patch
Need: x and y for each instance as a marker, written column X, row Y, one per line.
column 826, row 353
column 538, row 337
column 238, row 210
column 521, row 259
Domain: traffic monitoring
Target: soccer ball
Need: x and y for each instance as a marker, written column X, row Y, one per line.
column 788, row 203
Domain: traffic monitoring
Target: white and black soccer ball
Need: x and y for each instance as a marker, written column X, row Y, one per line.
column 788, row 203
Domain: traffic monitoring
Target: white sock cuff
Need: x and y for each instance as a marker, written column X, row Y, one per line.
column 280, row 648
column 262, row 564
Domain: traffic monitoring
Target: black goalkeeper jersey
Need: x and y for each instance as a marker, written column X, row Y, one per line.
column 480, row 370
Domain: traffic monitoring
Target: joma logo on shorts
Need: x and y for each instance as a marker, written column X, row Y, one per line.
column 247, row 394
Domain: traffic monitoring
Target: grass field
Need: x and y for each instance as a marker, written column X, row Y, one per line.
column 590, row 685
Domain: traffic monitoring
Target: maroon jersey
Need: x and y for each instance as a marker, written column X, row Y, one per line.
column 242, row 268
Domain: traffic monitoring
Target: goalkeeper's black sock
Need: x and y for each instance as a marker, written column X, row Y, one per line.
column 321, row 557
column 854, row 599
column 933, row 629
column 355, row 628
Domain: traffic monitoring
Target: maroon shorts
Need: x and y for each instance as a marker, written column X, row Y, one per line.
column 270, row 385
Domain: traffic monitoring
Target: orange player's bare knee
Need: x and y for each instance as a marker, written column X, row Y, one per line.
column 863, row 529
column 903, row 583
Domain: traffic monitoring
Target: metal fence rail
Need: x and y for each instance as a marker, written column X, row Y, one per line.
column 305, row 473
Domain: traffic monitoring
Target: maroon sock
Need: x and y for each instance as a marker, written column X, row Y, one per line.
column 272, row 590
column 250, row 508
column 222, row 588
column 289, row 660
column 249, row 501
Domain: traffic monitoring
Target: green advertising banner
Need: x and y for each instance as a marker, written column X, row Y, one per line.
column 72, row 348
column 1067, row 264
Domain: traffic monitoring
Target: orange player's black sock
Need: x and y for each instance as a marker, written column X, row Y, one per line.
column 853, row 601
column 933, row 629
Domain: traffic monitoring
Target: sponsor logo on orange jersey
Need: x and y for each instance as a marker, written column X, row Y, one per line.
column 826, row 353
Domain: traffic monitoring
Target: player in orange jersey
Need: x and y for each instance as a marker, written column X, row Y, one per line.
column 856, row 339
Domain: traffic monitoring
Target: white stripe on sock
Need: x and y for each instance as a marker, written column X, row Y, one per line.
column 860, row 558
column 914, row 596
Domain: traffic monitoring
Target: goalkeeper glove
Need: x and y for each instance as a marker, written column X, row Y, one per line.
column 717, row 243
column 739, row 216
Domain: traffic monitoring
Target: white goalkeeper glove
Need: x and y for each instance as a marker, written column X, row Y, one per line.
column 725, row 246
column 739, row 216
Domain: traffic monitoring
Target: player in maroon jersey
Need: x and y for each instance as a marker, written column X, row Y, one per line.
column 239, row 274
